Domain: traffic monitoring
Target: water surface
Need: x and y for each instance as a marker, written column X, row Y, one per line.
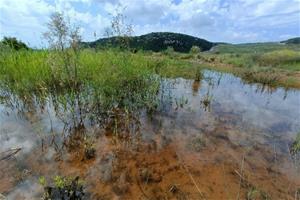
column 215, row 139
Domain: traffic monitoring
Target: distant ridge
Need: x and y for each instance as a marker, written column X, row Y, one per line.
column 156, row 41
column 295, row 40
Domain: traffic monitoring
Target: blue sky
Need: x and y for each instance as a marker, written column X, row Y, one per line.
column 235, row 21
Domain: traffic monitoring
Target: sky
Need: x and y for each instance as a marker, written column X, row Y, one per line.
column 234, row 21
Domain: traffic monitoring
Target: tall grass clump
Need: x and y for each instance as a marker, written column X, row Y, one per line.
column 24, row 72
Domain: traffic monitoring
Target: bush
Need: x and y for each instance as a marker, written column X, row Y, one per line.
column 13, row 43
column 195, row 50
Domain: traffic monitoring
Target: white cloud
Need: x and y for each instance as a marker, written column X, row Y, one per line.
column 216, row 20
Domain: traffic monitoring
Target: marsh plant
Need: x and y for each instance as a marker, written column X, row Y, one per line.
column 295, row 146
column 62, row 188
column 195, row 50
column 198, row 75
column 255, row 193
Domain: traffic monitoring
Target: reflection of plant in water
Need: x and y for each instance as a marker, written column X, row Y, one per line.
column 123, row 123
column 195, row 87
column 181, row 102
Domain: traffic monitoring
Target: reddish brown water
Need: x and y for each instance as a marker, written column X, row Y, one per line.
column 235, row 146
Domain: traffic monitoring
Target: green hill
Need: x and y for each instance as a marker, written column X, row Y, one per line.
column 157, row 41
column 295, row 40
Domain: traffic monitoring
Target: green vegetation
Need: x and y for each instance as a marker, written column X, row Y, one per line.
column 255, row 193
column 13, row 43
column 82, row 84
column 62, row 188
column 268, row 64
column 195, row 50
column 251, row 48
column 295, row 147
column 156, row 42
column 295, row 40
column 114, row 78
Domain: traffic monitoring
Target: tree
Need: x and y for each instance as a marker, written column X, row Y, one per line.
column 13, row 43
column 120, row 28
column 64, row 40
column 61, row 34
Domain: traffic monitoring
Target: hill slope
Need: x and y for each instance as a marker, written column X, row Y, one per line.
column 295, row 40
column 157, row 41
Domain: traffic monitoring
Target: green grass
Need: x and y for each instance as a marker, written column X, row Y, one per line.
column 172, row 67
column 254, row 48
column 101, row 81
column 270, row 64
column 285, row 59
column 260, row 54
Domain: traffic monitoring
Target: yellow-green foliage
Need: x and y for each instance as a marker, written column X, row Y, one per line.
column 24, row 71
column 195, row 50
column 279, row 57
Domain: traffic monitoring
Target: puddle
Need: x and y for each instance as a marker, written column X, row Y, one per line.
column 213, row 139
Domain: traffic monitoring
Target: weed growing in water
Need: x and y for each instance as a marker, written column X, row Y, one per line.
column 198, row 75
column 295, row 147
column 269, row 79
column 63, row 188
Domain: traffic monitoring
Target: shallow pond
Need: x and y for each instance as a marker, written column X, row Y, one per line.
column 218, row 138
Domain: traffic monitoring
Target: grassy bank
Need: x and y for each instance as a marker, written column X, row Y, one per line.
column 274, row 64
column 118, row 78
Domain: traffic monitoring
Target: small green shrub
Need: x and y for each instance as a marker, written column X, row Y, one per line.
column 195, row 50
column 63, row 188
